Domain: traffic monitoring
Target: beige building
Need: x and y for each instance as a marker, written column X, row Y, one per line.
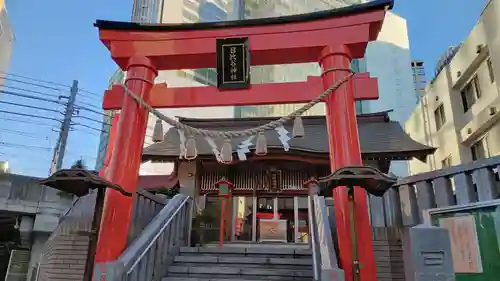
column 6, row 41
column 459, row 113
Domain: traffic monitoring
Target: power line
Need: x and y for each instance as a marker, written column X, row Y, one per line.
column 30, row 115
column 90, row 93
column 90, row 110
column 93, row 120
column 20, row 133
column 31, row 97
column 7, row 144
column 90, row 105
column 30, row 106
column 27, row 121
column 89, row 127
column 34, row 92
column 81, row 130
column 35, row 79
column 32, row 84
column 53, row 94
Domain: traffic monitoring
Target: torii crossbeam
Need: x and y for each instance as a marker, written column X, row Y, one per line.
column 332, row 38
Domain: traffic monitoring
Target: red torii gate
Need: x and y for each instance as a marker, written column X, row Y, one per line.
column 331, row 38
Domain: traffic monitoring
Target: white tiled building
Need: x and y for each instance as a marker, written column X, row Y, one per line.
column 460, row 110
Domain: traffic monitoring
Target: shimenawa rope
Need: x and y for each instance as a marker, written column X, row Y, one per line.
column 192, row 131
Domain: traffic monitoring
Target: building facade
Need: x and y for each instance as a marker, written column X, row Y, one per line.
column 461, row 103
column 389, row 60
column 6, row 41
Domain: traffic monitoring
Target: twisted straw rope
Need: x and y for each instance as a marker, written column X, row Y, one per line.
column 248, row 132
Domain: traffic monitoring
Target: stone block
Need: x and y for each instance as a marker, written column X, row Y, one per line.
column 427, row 254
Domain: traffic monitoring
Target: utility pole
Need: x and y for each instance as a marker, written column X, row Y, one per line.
column 60, row 148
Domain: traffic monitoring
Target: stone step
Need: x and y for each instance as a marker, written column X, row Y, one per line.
column 248, row 261
column 202, row 277
column 218, row 271
column 239, row 265
column 251, row 251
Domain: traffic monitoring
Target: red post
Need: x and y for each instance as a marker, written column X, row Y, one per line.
column 344, row 150
column 125, row 161
column 222, row 219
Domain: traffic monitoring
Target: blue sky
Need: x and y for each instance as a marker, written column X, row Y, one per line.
column 55, row 41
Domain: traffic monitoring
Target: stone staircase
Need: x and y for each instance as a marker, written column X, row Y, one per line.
column 232, row 263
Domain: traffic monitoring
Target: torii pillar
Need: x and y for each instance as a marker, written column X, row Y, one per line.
column 333, row 38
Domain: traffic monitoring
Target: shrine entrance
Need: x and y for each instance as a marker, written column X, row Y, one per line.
column 331, row 38
column 270, row 219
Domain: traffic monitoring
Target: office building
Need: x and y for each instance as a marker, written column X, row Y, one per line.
column 389, row 60
column 6, row 41
column 461, row 103
column 117, row 78
column 290, row 72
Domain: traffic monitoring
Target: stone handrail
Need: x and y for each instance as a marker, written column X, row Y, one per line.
column 457, row 185
column 325, row 262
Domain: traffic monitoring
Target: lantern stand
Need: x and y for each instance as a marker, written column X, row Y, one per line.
column 224, row 188
column 370, row 179
column 80, row 182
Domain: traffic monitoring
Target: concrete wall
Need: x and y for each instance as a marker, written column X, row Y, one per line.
column 462, row 129
column 38, row 207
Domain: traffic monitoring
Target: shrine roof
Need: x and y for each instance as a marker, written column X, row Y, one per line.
column 325, row 14
column 379, row 137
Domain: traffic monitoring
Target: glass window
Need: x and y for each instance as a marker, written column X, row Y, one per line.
column 480, row 150
column 439, row 117
column 470, row 93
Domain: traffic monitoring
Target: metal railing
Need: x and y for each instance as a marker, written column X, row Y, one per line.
column 146, row 207
column 150, row 254
column 325, row 265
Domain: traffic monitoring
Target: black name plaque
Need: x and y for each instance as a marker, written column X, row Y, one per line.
column 233, row 63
